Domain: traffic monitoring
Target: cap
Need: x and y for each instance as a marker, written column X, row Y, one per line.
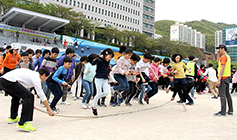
column 222, row 46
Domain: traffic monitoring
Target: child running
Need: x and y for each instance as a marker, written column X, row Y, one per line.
column 142, row 68
column 87, row 81
column 101, row 77
column 180, row 78
column 58, row 78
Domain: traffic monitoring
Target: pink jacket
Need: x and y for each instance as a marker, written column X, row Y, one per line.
column 156, row 70
column 234, row 80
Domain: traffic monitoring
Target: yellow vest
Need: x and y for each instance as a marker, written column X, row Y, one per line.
column 227, row 70
column 190, row 65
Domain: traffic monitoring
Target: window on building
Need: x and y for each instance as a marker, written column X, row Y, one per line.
column 120, row 7
column 92, row 8
column 70, row 2
column 112, row 14
column 128, row 10
column 120, row 17
column 81, row 5
column 106, row 2
column 138, row 13
column 96, row 9
column 65, row 1
column 102, row 11
column 112, row 5
column 123, row 17
column 115, row 4
column 128, row 19
column 61, row 1
column 103, row 1
column 99, row 11
column 85, row 6
column 117, row 16
column 109, row 3
column 106, row 12
column 78, row 4
column 123, row 8
column 74, row 3
column 89, row 7
column 99, row 1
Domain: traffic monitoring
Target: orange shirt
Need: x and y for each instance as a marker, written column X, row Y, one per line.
column 11, row 61
column 1, row 61
column 223, row 60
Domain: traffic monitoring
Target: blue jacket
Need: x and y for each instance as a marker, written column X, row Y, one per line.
column 70, row 72
column 38, row 63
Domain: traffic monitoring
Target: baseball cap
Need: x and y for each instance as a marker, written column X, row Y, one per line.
column 222, row 46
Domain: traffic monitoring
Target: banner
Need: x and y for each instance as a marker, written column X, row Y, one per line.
column 29, row 32
column 231, row 36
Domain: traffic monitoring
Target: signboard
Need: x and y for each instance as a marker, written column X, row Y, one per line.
column 231, row 36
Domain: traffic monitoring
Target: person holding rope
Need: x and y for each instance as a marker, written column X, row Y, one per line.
column 16, row 83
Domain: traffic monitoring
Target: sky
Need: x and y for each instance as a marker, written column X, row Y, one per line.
column 189, row 10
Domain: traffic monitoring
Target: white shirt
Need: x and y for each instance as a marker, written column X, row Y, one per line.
column 27, row 78
column 143, row 66
column 162, row 69
column 211, row 73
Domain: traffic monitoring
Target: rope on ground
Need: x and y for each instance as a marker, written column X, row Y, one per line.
column 106, row 115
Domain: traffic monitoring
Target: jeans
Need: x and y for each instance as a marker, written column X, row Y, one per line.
column 56, row 91
column 100, row 84
column 143, row 87
column 123, row 83
column 154, row 86
column 46, row 90
column 89, row 87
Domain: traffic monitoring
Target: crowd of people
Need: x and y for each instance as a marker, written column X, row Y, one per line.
column 132, row 77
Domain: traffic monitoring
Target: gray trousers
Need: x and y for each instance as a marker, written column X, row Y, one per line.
column 224, row 93
column 65, row 90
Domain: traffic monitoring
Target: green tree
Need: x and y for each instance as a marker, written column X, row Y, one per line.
column 214, row 63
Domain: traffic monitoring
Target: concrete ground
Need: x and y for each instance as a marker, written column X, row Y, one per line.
column 158, row 120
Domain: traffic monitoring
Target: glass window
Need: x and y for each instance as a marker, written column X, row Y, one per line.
column 78, row 4
column 74, row 3
column 109, row 3
column 96, row 9
column 65, row 1
column 61, row 1
column 106, row 12
column 85, row 6
column 89, row 7
column 112, row 4
column 102, row 11
column 70, row 2
column 92, row 8
column 81, row 5
column 99, row 11
column 115, row 4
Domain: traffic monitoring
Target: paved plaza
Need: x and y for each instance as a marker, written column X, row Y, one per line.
column 160, row 120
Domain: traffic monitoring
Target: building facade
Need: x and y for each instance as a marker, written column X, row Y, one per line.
column 132, row 15
column 183, row 33
column 218, row 39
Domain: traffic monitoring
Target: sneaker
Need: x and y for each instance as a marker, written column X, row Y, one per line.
column 69, row 92
column 83, row 105
column 88, row 106
column 112, row 104
column 26, row 127
column 65, row 103
column 1, row 92
column 94, row 111
column 214, row 97
column 11, row 121
column 74, row 98
column 190, row 103
column 55, row 110
column 119, row 101
column 219, row 114
column 209, row 91
column 140, row 103
column 42, row 104
column 202, row 92
column 103, row 105
column 180, row 101
column 128, row 104
column 172, row 99
column 146, row 99
column 229, row 113
column 167, row 90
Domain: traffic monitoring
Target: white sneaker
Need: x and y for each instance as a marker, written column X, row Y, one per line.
column 74, row 98
column 83, row 105
column 1, row 92
column 65, row 103
column 88, row 106
column 55, row 110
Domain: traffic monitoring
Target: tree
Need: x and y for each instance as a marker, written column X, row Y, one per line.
column 107, row 32
column 214, row 63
